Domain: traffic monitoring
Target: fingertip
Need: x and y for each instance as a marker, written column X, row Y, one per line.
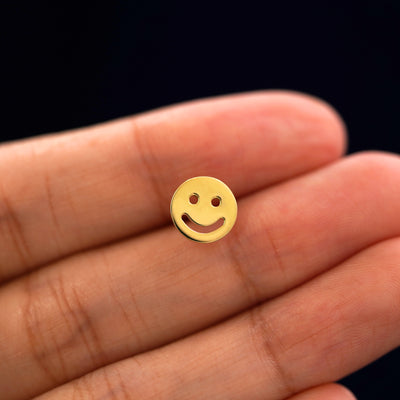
column 317, row 121
column 333, row 126
column 339, row 392
column 330, row 391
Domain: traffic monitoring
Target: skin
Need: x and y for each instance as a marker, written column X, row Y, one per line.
column 103, row 298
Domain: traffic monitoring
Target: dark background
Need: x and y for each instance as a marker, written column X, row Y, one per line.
column 74, row 64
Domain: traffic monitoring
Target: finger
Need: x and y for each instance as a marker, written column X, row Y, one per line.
column 69, row 192
column 330, row 391
column 101, row 306
column 317, row 333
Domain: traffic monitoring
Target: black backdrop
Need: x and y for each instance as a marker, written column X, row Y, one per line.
column 74, row 64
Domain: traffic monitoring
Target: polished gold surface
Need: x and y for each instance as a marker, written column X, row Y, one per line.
column 204, row 202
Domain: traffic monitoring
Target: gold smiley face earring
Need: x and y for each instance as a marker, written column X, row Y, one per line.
column 203, row 209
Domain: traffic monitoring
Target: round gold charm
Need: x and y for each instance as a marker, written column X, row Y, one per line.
column 204, row 209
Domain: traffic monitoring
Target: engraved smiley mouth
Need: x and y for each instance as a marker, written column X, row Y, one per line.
column 200, row 228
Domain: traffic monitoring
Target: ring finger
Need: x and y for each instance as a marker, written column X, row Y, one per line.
column 316, row 333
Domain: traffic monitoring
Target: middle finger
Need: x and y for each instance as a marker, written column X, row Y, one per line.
column 156, row 288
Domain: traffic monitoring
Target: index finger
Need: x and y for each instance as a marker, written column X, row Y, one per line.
column 66, row 193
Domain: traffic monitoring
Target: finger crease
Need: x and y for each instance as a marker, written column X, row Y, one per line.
column 147, row 159
column 78, row 326
column 15, row 229
column 120, row 305
column 234, row 249
column 122, row 385
column 262, row 336
column 276, row 253
column 50, row 202
column 35, row 336
column 98, row 352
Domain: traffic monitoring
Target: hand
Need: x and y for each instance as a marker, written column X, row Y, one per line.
column 102, row 298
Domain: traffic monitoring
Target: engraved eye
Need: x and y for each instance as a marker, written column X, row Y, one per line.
column 216, row 201
column 194, row 198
